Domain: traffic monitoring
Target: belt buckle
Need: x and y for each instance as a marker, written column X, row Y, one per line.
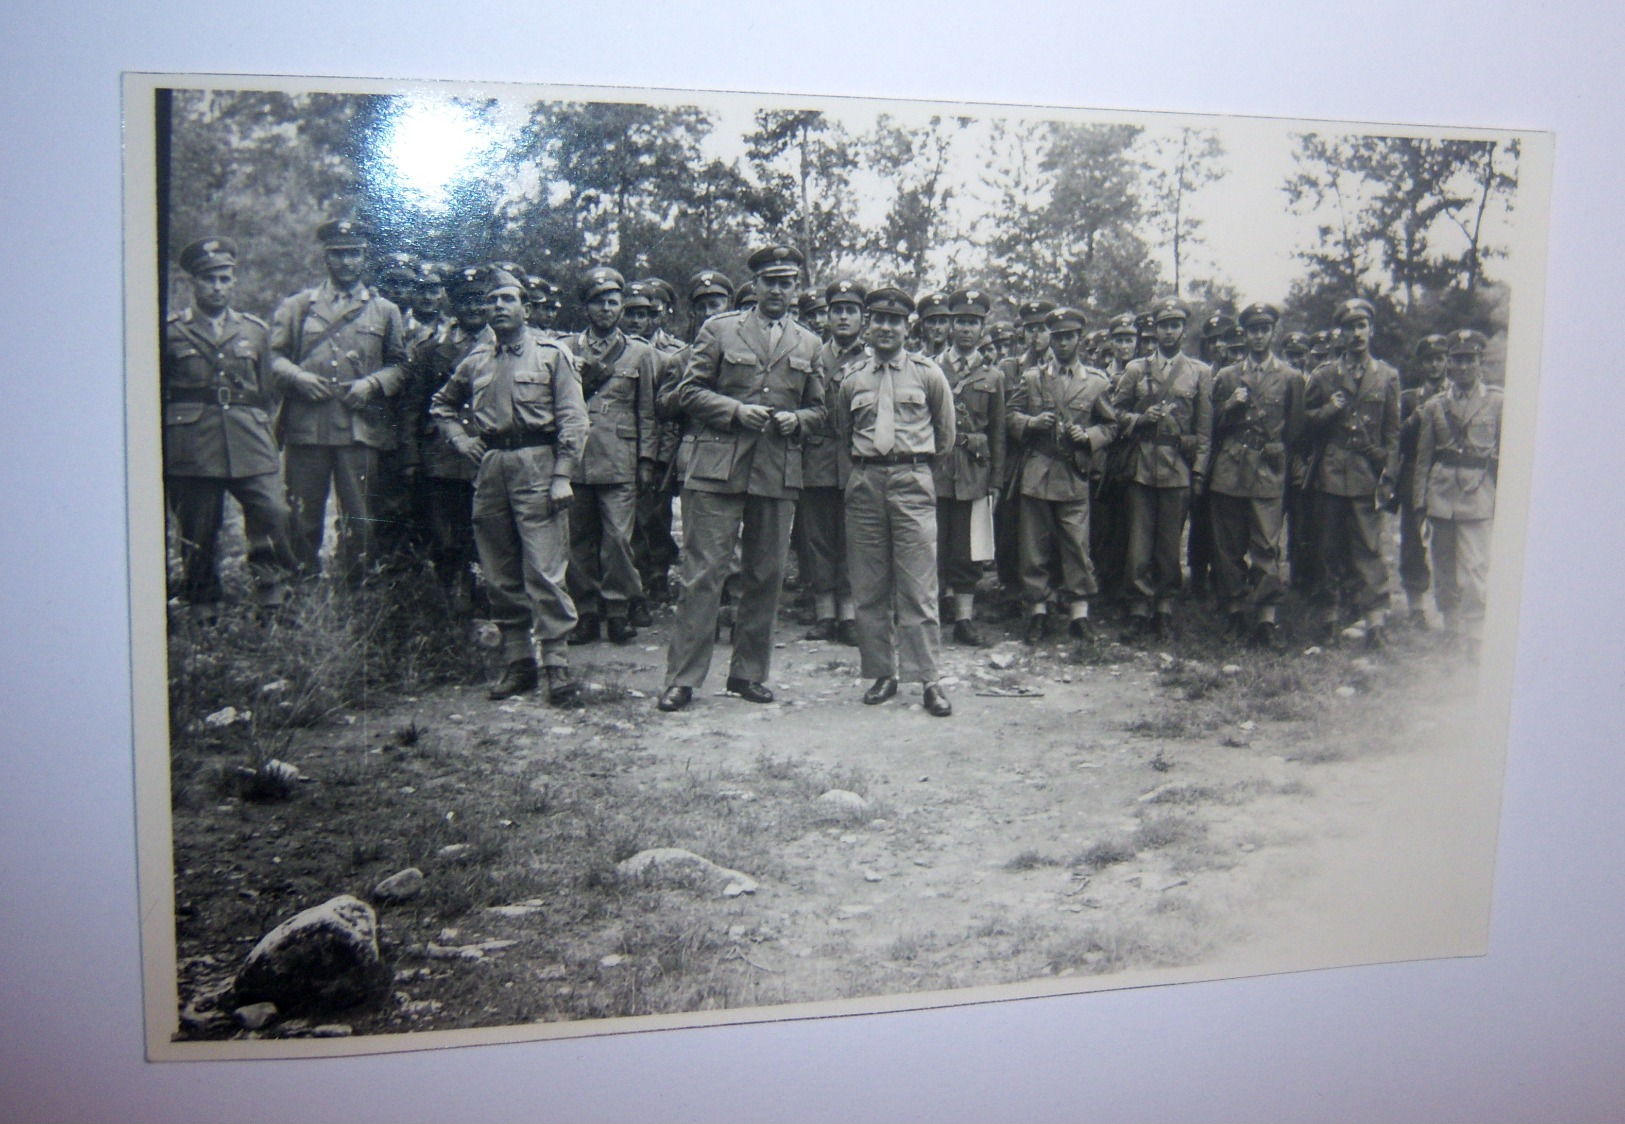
column 222, row 395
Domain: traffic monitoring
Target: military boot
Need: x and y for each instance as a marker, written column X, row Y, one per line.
column 562, row 690
column 519, row 678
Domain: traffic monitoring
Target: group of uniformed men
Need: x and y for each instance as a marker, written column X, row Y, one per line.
column 899, row 446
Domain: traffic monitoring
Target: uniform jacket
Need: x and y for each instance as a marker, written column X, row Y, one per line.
column 974, row 467
column 1250, row 441
column 1411, row 401
column 432, row 361
column 824, row 462
column 729, row 366
column 922, row 406
column 1349, row 450
column 218, row 400
column 1166, row 452
column 1055, row 468
column 621, row 425
column 500, row 393
column 1457, row 452
column 371, row 344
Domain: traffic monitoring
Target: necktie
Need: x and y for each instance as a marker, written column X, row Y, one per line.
column 885, row 413
column 774, row 328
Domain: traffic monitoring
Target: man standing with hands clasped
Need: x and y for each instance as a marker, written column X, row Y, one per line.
column 751, row 391
column 893, row 412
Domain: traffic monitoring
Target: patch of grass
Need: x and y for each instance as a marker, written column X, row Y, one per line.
column 1106, row 852
column 1188, row 794
column 1032, row 860
column 1168, row 829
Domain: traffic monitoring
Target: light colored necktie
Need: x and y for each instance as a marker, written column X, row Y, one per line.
column 885, row 413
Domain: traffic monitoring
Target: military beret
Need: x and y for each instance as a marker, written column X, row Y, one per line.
column 1467, row 342
column 845, row 290
column 708, row 282
column 1217, row 325
column 598, row 280
column 1002, row 331
column 1169, row 308
column 889, row 298
column 638, row 295
column 811, row 302
column 1032, row 313
column 1356, row 306
column 1257, row 311
column 344, row 234
column 969, row 302
column 777, row 261
column 660, row 290
column 1429, row 346
column 208, row 253
column 746, row 296
column 1066, row 320
column 399, row 266
column 502, row 279
column 933, row 304
column 1122, row 325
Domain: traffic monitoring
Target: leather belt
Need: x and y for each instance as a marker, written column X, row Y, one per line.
column 530, row 439
column 895, row 459
column 212, row 396
column 1456, row 459
column 1170, row 439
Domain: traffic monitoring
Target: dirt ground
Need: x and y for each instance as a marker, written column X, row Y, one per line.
column 1214, row 810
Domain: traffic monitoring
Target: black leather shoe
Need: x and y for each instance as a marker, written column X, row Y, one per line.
column 586, row 629
column 847, row 633
column 750, row 692
column 562, row 690
column 621, row 630
column 936, row 701
column 675, row 698
column 1267, row 636
column 1376, row 638
column 1079, row 628
column 823, row 630
column 518, row 679
column 1037, row 628
column 966, row 633
column 639, row 615
column 884, row 688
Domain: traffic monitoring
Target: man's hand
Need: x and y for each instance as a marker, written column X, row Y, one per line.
column 1239, row 398
column 359, row 393
column 312, row 388
column 785, row 422
column 1198, row 485
column 1075, row 434
column 754, row 418
column 471, row 447
column 559, row 494
column 1043, row 423
column 1338, row 400
column 646, row 476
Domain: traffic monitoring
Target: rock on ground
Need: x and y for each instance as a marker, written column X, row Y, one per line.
column 843, row 803
column 323, row 958
column 675, row 866
column 402, row 886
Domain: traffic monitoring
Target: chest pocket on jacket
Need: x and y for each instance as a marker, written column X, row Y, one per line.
column 533, row 387
column 911, row 396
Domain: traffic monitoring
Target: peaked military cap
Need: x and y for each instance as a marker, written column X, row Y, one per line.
column 811, row 302
column 1122, row 325
column 660, row 290
column 1066, row 319
column 844, row 290
column 1002, row 331
column 208, row 253
column 344, row 234
column 469, row 280
column 777, row 261
column 970, row 302
column 746, row 296
column 933, row 304
column 538, row 289
column 1429, row 346
column 1032, row 313
column 598, row 280
column 709, row 282
column 638, row 295
column 399, row 266
column 1467, row 342
column 502, row 279
column 1355, row 306
column 1321, row 342
column 1169, row 308
column 1259, row 310
column 431, row 274
column 1145, row 324
column 1096, row 338
column 1217, row 325
column 1234, row 335
column 889, row 298
column 1295, row 343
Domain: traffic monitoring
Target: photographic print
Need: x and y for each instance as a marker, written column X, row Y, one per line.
column 610, row 559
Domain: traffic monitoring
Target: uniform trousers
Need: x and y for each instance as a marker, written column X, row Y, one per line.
column 1349, row 570
column 1007, row 538
column 1199, row 544
column 1055, row 525
column 1156, row 522
column 822, row 523
column 653, row 548
column 1461, row 558
column 1300, row 554
column 310, row 471
column 448, row 510
column 891, row 536
column 199, row 504
column 603, row 578
column 524, row 548
column 1249, row 542
column 394, row 519
column 1414, row 572
column 1108, row 538
column 956, row 573
column 712, row 526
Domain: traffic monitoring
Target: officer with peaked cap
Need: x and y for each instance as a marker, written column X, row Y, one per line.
column 618, row 376
column 664, row 299
column 513, row 407
column 752, row 393
column 540, row 294
column 1295, row 349
column 1458, row 454
column 1164, row 404
column 1351, row 411
column 1257, row 418
column 1146, row 325
column 745, row 296
column 218, row 399
column 936, row 323
column 813, row 312
column 893, row 413
column 1033, row 346
column 338, row 351
column 1061, row 415
column 397, row 276
column 1427, row 380
column 1108, row 519
column 1218, row 332
column 638, row 311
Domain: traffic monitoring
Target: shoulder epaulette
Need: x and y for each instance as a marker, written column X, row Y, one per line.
column 252, row 319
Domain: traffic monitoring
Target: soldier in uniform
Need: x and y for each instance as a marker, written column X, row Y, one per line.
column 1351, row 411
column 1164, row 405
column 338, row 351
column 664, row 299
column 1414, row 573
column 813, row 313
column 1457, row 457
column 1062, row 416
column 529, row 426
column 1146, row 325
column 1257, row 416
column 745, row 296
column 936, row 324
column 428, row 303
column 1108, row 519
column 216, row 383
column 1034, row 345
column 1004, row 338
column 751, row 391
column 638, row 312
column 653, row 548
column 1215, row 352
column 971, row 471
column 397, row 278
column 819, row 512
column 1295, row 349
column 540, row 305
column 618, row 384
column 893, row 413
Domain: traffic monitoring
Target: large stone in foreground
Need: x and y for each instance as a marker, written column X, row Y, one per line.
column 325, row 958
column 673, row 866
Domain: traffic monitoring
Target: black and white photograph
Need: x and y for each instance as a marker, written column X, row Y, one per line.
column 612, row 559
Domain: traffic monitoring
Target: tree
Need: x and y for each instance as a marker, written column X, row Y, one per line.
column 1178, row 167
column 1104, row 264
column 916, row 164
column 805, row 159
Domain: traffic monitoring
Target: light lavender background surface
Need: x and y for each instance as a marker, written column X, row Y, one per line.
column 1534, row 1031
